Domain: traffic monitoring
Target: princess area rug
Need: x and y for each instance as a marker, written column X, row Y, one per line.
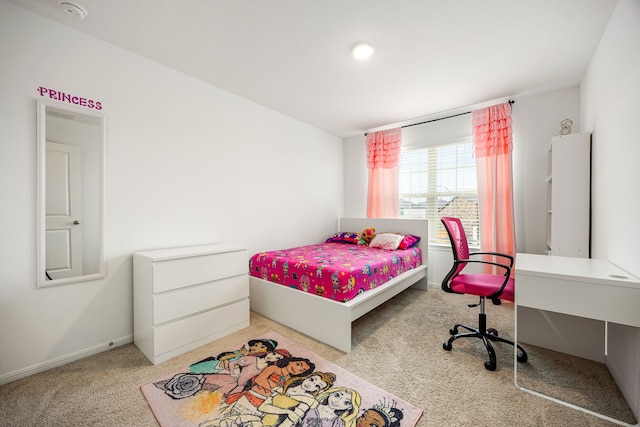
column 271, row 381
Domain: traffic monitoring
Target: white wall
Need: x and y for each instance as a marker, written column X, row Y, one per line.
column 610, row 93
column 610, row 98
column 536, row 119
column 187, row 163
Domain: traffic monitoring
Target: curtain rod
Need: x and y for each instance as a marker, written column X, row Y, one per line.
column 511, row 102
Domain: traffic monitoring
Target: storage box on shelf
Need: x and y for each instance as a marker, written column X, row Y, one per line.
column 186, row 297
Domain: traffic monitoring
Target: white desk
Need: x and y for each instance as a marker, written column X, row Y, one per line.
column 585, row 287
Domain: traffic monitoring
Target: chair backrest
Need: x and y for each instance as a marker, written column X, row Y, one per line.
column 459, row 245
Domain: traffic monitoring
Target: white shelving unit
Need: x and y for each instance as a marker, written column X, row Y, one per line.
column 186, row 297
column 569, row 195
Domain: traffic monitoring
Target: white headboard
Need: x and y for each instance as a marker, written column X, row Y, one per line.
column 417, row 227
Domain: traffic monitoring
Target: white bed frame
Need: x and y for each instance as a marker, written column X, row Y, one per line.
column 327, row 320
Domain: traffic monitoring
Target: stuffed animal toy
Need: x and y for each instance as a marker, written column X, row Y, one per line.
column 367, row 235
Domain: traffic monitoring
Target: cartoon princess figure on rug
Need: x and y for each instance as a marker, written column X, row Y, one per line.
column 384, row 414
column 242, row 370
column 296, row 397
column 241, row 408
column 337, row 407
column 220, row 363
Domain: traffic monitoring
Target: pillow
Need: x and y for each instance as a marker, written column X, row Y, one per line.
column 388, row 241
column 345, row 237
column 409, row 241
column 367, row 235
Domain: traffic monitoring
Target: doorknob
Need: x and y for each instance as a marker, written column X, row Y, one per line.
column 76, row 222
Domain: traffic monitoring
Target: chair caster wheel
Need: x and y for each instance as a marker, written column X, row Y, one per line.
column 522, row 358
column 492, row 331
column 490, row 366
column 453, row 331
column 447, row 346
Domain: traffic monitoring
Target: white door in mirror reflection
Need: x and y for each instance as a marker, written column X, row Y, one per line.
column 63, row 211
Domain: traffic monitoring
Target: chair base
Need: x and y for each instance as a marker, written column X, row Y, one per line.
column 486, row 335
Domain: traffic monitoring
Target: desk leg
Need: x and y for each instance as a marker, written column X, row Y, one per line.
column 536, row 393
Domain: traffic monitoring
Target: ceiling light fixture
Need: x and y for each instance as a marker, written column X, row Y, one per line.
column 362, row 51
column 74, row 9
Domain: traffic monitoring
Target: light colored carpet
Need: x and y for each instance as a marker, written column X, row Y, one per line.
column 397, row 347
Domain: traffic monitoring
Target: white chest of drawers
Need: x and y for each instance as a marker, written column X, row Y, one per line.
column 186, row 297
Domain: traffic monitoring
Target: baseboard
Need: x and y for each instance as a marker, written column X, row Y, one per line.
column 421, row 284
column 434, row 285
column 63, row 360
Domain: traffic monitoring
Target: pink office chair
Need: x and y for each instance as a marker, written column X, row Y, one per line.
column 493, row 286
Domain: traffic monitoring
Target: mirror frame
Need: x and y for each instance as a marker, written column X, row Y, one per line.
column 41, row 141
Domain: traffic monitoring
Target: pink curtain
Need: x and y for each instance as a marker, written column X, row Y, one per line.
column 493, row 145
column 383, row 160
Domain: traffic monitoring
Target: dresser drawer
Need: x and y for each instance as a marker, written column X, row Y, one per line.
column 185, row 297
column 202, row 327
column 181, row 272
column 195, row 299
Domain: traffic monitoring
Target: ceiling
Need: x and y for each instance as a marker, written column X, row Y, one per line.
column 293, row 56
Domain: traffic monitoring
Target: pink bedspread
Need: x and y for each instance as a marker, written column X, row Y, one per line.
column 339, row 271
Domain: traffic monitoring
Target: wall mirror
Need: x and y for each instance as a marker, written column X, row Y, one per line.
column 70, row 194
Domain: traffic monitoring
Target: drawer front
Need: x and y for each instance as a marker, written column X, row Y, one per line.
column 183, row 332
column 195, row 299
column 615, row 304
column 181, row 272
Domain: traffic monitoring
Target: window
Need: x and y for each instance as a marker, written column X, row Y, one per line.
column 440, row 181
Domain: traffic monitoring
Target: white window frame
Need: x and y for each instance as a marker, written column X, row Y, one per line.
column 431, row 192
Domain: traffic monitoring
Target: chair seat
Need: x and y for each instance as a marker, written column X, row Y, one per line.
column 483, row 285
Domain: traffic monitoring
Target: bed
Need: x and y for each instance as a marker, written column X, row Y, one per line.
column 329, row 320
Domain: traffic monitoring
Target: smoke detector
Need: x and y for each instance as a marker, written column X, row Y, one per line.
column 74, row 10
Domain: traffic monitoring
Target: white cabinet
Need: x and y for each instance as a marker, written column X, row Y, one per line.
column 186, row 297
column 569, row 195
